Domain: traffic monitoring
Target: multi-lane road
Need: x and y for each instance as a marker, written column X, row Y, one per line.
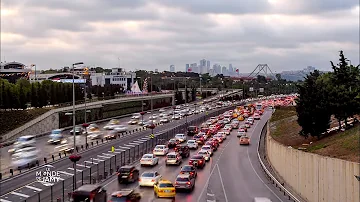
column 21, row 187
column 232, row 174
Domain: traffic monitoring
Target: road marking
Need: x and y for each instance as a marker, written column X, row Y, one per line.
column 20, row 194
column 33, row 188
column 108, row 154
column 4, row 200
column 120, row 150
column 134, row 143
column 105, row 157
column 145, row 138
column 90, row 162
column 66, row 173
column 77, row 170
column 114, row 152
column 61, row 146
column 81, row 165
column 138, row 142
column 124, row 147
column 97, row 159
column 210, row 194
column 222, row 183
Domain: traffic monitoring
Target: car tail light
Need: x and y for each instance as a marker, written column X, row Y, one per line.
column 176, row 183
column 92, row 195
column 160, row 190
column 191, row 173
column 153, row 180
column 131, row 174
column 117, row 173
column 200, row 161
column 188, row 183
column 172, row 191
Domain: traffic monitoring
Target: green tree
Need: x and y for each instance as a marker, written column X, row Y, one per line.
column 312, row 106
column 193, row 94
column 34, row 95
column 22, row 97
column 53, row 94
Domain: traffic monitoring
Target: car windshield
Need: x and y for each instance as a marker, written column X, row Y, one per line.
column 197, row 157
column 244, row 138
column 187, row 168
column 179, row 135
column 125, row 170
column 164, row 185
column 182, row 179
column 118, row 199
column 202, row 152
column 147, row 156
column 191, row 128
column 172, row 140
column 159, row 147
column 148, row 175
column 24, row 139
column 191, row 141
column 56, row 132
column 206, row 148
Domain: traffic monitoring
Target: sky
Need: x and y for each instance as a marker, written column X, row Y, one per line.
column 153, row 34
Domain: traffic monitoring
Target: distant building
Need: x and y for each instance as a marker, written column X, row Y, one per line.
column 12, row 71
column 117, row 77
column 172, row 68
column 208, row 66
column 231, row 70
column 156, row 70
column 224, row 71
column 187, row 67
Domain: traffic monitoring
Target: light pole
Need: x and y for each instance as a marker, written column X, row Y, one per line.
column 186, row 78
column 200, row 86
column 350, row 69
column 74, row 158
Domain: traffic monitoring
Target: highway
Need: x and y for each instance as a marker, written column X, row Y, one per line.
column 23, row 186
column 232, row 174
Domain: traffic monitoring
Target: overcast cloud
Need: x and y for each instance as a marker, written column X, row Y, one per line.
column 286, row 35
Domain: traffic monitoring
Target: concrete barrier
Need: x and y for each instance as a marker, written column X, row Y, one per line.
column 314, row 177
column 50, row 120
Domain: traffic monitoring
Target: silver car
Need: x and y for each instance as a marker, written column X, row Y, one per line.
column 192, row 144
column 205, row 154
column 173, row 158
column 185, row 181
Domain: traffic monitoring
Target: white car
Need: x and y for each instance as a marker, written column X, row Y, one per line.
column 192, row 144
column 223, row 133
column 133, row 122
column 160, row 150
column 176, row 117
column 180, row 137
column 228, row 127
column 173, row 158
column 23, row 141
column 24, row 157
column 95, row 135
column 112, row 124
column 162, row 110
column 164, row 120
column 136, row 116
column 241, row 132
column 149, row 178
column 121, row 128
column 152, row 117
column 219, row 138
column 149, row 159
column 208, row 149
column 205, row 154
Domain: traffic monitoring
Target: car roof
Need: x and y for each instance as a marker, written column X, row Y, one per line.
column 172, row 153
column 123, row 192
column 127, row 166
column 165, row 181
column 183, row 175
column 88, row 187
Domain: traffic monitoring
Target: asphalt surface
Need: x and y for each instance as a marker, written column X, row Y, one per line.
column 232, row 175
column 24, row 186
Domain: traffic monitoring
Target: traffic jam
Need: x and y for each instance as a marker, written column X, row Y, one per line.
column 203, row 141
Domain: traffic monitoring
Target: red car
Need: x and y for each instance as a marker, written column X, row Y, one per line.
column 199, row 138
column 197, row 160
column 206, row 131
column 214, row 144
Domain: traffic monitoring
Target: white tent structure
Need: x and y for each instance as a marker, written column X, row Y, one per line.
column 135, row 89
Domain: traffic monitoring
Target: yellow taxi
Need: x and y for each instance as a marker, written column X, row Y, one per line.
column 164, row 189
column 240, row 118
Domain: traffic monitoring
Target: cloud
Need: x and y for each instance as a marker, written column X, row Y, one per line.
column 156, row 34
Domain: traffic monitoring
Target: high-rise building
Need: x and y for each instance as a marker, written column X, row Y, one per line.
column 203, row 62
column 208, row 66
column 217, row 69
column 187, row 67
column 231, row 70
column 224, row 71
column 172, row 68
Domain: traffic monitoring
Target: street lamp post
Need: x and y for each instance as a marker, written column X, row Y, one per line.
column 200, row 86
column 142, row 117
column 74, row 158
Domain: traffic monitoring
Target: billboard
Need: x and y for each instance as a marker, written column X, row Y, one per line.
column 251, row 89
column 71, row 81
column 261, row 90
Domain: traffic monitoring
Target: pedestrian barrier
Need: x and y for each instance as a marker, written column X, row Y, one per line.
column 98, row 171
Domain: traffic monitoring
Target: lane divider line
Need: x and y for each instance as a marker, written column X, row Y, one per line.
column 66, row 173
column 20, row 194
column 104, row 157
column 33, row 188
column 77, row 170
column 91, row 162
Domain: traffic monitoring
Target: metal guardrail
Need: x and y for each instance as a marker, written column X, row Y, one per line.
column 103, row 170
column 268, row 173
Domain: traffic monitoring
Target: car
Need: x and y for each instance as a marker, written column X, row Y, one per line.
column 133, row 122
column 136, row 116
column 23, row 141
column 185, row 181
column 200, row 138
column 176, row 117
column 153, row 117
column 173, row 158
column 257, row 116
column 164, row 189
column 261, row 199
column 208, row 148
column 205, row 154
column 121, row 128
column 149, row 178
column 247, row 125
column 235, row 125
column 25, row 157
column 162, row 110
column 92, row 192
column 127, row 195
column 110, row 135
column 127, row 174
column 189, row 169
column 78, row 130
column 183, row 150
column 92, row 128
column 244, row 140
column 219, row 137
column 149, row 159
column 241, row 132
column 150, row 124
column 192, row 144
column 206, row 131
column 228, row 127
column 160, row 150
column 243, row 127
column 180, row 137
column 223, row 134
column 192, row 130
column 214, row 143
column 113, row 123
column 172, row 143
column 227, row 131
column 95, row 135
column 198, row 161
column 57, row 137
column 164, row 120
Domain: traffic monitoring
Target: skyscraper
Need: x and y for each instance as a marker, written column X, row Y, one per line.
column 207, row 67
column 224, row 71
column 231, row 70
column 172, row 68
column 187, row 67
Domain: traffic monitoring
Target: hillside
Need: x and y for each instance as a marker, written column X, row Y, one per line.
column 343, row 145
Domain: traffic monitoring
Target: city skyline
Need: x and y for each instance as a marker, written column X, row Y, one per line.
column 57, row 34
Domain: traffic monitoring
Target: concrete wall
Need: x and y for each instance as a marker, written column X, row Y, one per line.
column 50, row 120
column 315, row 178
